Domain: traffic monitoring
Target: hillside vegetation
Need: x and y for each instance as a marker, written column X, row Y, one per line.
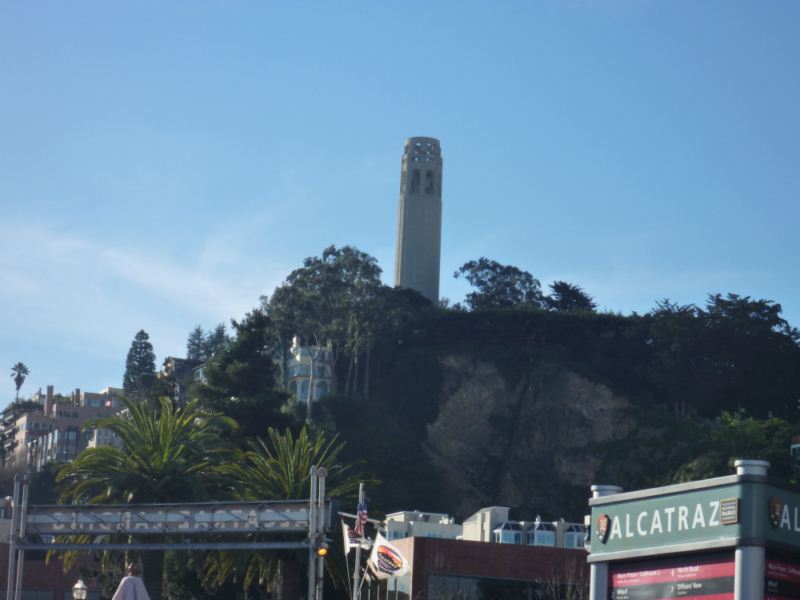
column 517, row 397
column 527, row 409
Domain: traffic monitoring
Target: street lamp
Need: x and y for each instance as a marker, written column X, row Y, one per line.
column 79, row 590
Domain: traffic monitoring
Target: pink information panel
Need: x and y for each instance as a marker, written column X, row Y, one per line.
column 783, row 580
column 678, row 579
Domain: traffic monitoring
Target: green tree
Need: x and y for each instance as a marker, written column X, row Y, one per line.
column 195, row 344
column 568, row 297
column 240, row 379
column 279, row 468
column 679, row 370
column 736, row 354
column 167, row 454
column 140, row 367
column 758, row 381
column 752, row 317
column 202, row 346
column 499, row 286
column 332, row 297
column 216, row 340
column 19, row 372
column 734, row 436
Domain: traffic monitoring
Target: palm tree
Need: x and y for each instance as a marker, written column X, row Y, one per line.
column 19, row 372
column 166, row 454
column 279, row 469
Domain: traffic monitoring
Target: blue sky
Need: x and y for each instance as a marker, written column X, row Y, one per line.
column 162, row 164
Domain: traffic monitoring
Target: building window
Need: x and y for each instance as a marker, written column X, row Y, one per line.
column 541, row 537
column 573, row 540
column 506, row 536
column 415, row 181
column 545, row 538
column 428, row 182
column 574, row 536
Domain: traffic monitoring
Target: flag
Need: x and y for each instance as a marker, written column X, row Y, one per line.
column 361, row 518
column 350, row 537
column 386, row 560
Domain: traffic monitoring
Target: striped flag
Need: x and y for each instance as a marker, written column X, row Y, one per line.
column 361, row 519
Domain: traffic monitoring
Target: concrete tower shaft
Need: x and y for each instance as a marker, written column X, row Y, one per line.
column 419, row 218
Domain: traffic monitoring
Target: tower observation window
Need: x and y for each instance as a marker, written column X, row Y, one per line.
column 428, row 182
column 415, row 181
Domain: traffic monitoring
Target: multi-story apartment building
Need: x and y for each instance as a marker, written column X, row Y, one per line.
column 49, row 428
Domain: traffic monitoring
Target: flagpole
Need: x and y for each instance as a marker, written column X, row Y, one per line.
column 346, row 552
column 357, row 566
column 363, row 579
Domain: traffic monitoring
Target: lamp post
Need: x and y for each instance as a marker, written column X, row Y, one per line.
column 79, row 590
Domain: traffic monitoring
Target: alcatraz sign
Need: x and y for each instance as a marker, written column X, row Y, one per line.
column 220, row 517
column 659, row 521
column 709, row 515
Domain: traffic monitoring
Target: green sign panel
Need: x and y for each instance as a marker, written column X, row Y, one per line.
column 702, row 515
column 779, row 515
column 710, row 517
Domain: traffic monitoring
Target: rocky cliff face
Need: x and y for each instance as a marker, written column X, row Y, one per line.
column 536, row 443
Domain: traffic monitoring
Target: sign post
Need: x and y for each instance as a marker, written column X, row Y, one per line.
column 598, row 572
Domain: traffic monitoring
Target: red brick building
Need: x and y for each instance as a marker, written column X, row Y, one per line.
column 460, row 570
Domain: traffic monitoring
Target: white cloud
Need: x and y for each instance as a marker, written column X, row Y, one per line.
column 58, row 272
column 83, row 297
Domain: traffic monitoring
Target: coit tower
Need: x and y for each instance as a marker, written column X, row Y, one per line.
column 419, row 218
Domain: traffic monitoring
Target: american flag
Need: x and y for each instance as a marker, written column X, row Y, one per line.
column 361, row 518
